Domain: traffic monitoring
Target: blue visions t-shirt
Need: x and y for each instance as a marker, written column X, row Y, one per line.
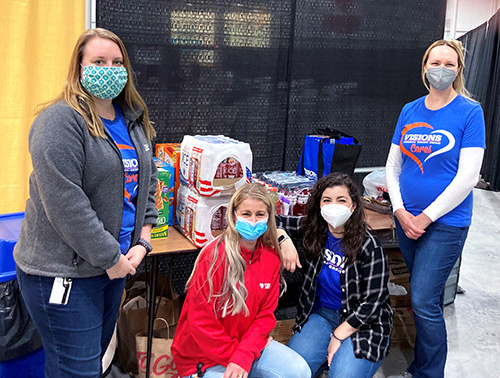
column 430, row 143
column 328, row 285
column 119, row 132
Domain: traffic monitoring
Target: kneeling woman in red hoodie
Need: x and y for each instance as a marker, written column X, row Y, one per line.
column 228, row 314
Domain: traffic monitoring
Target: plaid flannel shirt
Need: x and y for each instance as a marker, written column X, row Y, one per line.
column 365, row 296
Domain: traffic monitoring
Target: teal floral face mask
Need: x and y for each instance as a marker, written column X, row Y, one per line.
column 104, row 82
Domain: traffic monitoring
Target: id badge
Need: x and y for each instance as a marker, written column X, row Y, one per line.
column 60, row 290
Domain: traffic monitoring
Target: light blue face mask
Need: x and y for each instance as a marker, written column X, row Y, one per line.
column 250, row 231
column 104, row 82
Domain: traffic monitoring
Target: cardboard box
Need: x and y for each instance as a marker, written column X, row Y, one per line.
column 378, row 221
column 404, row 331
column 402, row 300
column 282, row 332
column 403, row 316
column 394, row 254
column 170, row 153
column 403, row 337
column 164, row 198
column 398, row 271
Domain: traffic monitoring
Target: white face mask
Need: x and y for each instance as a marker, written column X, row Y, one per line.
column 336, row 215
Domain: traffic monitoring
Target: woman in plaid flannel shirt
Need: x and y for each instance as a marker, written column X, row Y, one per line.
column 344, row 316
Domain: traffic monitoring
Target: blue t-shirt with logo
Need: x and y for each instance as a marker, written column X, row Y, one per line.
column 119, row 132
column 430, row 143
column 328, row 284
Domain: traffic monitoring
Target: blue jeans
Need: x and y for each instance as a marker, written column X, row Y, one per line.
column 75, row 336
column 312, row 344
column 276, row 361
column 430, row 260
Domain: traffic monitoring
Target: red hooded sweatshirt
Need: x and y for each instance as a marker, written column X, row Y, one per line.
column 204, row 336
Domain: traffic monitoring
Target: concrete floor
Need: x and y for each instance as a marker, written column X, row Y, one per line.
column 473, row 320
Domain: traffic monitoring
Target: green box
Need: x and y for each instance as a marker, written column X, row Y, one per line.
column 164, row 199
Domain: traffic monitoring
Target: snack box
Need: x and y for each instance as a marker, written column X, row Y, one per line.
column 164, row 199
column 171, row 154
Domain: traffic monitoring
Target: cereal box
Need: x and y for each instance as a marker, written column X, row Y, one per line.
column 164, row 198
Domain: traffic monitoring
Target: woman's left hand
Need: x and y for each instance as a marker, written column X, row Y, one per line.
column 289, row 256
column 135, row 255
column 406, row 218
column 235, row 371
column 332, row 349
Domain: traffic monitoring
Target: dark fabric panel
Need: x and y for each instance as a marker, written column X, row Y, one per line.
column 215, row 67
column 269, row 72
column 355, row 64
column 482, row 77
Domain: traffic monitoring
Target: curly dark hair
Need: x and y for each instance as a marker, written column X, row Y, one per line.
column 315, row 227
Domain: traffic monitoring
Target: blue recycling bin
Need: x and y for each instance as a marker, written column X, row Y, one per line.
column 10, row 228
column 30, row 363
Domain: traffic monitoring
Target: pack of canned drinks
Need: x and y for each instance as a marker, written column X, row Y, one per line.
column 293, row 190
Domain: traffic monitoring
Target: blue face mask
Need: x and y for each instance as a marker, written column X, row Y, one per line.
column 250, row 231
column 104, row 82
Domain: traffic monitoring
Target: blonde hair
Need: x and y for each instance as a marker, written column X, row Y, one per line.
column 230, row 300
column 459, row 83
column 82, row 102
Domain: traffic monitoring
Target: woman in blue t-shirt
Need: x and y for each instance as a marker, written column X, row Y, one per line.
column 344, row 316
column 433, row 164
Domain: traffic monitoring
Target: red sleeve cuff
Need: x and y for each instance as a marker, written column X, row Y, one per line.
column 243, row 359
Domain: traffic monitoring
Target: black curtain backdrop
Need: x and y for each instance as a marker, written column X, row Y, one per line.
column 268, row 72
column 482, row 77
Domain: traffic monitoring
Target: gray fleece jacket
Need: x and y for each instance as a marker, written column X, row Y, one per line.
column 74, row 213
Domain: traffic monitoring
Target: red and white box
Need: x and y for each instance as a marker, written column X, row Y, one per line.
column 201, row 219
column 215, row 165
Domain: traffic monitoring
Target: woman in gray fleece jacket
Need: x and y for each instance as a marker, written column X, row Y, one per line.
column 91, row 207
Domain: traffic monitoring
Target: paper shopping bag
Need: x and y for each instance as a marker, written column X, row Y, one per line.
column 133, row 319
column 162, row 363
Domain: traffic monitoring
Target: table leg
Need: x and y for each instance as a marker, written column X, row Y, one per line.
column 151, row 310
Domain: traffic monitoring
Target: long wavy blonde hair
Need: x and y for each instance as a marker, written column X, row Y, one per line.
column 230, row 300
column 459, row 83
column 79, row 99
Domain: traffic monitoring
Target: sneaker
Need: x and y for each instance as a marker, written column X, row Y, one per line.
column 404, row 374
